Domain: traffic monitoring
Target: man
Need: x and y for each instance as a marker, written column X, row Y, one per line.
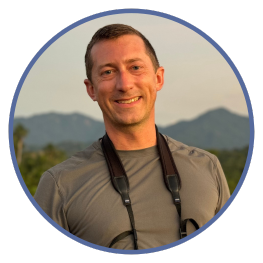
column 123, row 77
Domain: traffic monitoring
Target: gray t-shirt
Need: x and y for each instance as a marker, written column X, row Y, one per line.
column 79, row 196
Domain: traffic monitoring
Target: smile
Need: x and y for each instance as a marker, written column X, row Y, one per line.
column 128, row 101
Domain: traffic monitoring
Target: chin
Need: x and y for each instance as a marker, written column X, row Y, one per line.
column 129, row 122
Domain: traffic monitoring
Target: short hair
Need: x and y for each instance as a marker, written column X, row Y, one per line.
column 115, row 31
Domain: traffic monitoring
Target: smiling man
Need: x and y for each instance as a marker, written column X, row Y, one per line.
column 125, row 82
column 134, row 188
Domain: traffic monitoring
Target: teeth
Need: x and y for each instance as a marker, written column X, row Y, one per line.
column 128, row 101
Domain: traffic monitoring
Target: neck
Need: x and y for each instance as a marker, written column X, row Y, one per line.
column 132, row 137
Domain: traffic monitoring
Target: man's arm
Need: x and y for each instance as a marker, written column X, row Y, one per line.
column 223, row 188
column 50, row 199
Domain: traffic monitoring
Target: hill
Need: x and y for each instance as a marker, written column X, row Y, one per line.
column 56, row 128
column 217, row 129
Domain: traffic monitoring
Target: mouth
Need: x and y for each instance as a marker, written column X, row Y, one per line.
column 128, row 101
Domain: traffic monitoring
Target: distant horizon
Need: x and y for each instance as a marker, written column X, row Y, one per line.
column 101, row 120
column 217, row 128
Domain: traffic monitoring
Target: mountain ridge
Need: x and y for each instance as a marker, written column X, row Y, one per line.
column 217, row 128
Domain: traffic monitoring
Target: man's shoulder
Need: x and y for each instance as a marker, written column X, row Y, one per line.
column 190, row 151
column 89, row 154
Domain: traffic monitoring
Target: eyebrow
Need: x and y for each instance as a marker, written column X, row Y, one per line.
column 127, row 61
column 133, row 60
column 106, row 65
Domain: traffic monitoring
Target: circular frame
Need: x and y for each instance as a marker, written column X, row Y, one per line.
column 148, row 12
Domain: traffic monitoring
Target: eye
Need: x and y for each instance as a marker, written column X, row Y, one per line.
column 136, row 67
column 107, row 72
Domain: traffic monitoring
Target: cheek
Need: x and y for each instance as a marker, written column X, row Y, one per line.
column 106, row 86
column 151, row 88
column 104, row 93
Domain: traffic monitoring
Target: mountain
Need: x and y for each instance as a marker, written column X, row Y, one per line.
column 56, row 128
column 219, row 129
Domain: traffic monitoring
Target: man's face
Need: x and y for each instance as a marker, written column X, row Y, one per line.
column 124, row 81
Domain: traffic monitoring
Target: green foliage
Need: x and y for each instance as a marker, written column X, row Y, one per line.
column 70, row 147
column 34, row 164
column 19, row 133
column 233, row 163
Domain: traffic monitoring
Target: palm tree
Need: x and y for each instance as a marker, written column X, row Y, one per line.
column 20, row 132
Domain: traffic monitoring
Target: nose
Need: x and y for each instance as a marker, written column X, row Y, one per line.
column 124, row 81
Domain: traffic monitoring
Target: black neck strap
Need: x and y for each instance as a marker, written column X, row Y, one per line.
column 121, row 183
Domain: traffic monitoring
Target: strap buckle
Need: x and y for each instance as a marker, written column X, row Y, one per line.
column 177, row 200
column 127, row 201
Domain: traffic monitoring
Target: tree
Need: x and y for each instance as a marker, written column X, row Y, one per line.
column 20, row 132
column 233, row 163
column 34, row 164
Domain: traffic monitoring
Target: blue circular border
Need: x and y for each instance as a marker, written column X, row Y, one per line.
column 148, row 12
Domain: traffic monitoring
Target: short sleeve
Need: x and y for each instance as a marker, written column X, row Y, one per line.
column 223, row 188
column 49, row 198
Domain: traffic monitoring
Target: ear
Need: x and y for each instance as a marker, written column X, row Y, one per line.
column 159, row 78
column 90, row 89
